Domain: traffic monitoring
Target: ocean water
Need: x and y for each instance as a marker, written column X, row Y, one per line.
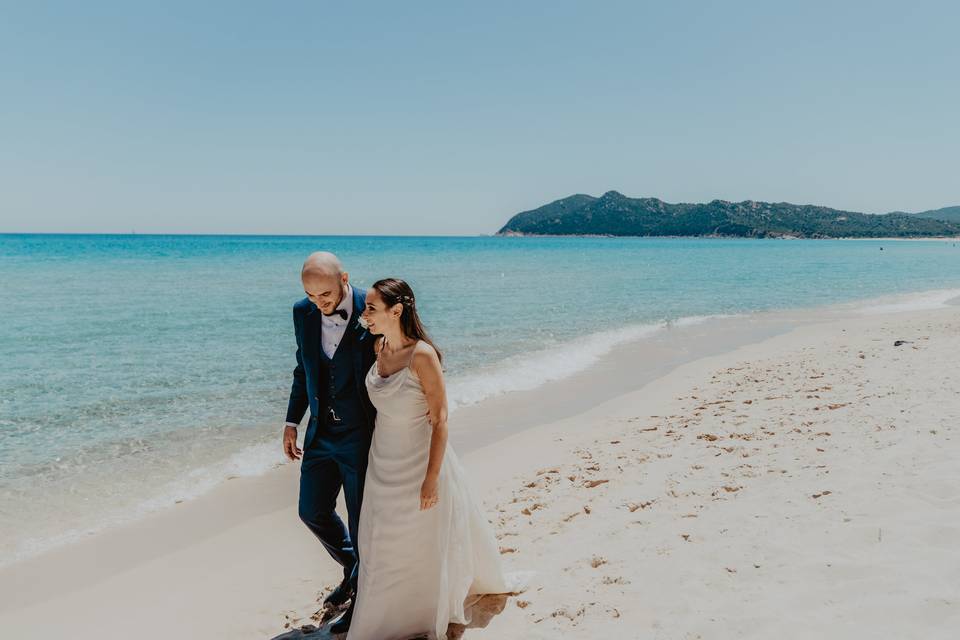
column 136, row 371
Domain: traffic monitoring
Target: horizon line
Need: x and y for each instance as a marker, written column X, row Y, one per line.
column 251, row 235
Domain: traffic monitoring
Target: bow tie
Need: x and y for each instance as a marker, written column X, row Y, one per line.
column 338, row 312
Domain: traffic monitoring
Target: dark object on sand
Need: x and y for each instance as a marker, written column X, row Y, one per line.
column 897, row 343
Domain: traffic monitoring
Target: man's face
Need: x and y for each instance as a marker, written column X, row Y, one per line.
column 324, row 291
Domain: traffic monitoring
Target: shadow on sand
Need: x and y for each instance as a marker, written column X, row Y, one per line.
column 483, row 611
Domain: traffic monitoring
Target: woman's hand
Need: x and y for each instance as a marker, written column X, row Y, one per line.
column 428, row 494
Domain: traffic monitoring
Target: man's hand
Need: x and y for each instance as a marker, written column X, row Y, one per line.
column 290, row 443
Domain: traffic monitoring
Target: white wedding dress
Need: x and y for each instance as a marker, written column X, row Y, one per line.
column 419, row 570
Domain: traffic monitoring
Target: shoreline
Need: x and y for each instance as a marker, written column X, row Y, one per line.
column 103, row 554
column 254, row 515
column 659, row 346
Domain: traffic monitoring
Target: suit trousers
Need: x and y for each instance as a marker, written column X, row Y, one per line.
column 334, row 461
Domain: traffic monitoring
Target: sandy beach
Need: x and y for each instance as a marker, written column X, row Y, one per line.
column 801, row 483
column 683, row 301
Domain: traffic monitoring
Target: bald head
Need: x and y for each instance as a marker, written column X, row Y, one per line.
column 324, row 280
column 322, row 263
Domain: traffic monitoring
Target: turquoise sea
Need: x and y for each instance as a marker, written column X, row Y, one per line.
column 141, row 370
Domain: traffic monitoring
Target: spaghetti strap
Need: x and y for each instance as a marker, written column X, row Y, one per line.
column 413, row 352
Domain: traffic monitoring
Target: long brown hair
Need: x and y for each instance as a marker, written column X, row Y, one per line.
column 396, row 291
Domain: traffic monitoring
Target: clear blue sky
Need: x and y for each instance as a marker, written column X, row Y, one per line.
column 447, row 118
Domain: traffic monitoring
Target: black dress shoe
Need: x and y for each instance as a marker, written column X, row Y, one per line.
column 340, row 595
column 342, row 624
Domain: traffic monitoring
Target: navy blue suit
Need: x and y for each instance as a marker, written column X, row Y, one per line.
column 336, row 444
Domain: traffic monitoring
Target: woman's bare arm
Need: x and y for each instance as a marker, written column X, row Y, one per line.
column 426, row 364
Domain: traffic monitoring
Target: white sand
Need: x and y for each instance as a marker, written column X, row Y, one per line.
column 804, row 487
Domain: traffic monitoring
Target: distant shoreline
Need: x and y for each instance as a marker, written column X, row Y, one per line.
column 512, row 234
column 616, row 214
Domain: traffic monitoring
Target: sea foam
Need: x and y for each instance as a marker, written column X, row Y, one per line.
column 912, row 302
column 533, row 369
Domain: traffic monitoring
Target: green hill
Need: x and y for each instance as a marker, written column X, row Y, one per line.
column 950, row 214
column 614, row 214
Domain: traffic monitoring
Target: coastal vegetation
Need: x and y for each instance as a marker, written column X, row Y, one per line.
column 614, row 214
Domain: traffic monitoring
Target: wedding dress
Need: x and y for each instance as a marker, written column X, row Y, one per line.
column 419, row 570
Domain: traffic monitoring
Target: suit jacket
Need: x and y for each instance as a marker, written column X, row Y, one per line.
column 309, row 389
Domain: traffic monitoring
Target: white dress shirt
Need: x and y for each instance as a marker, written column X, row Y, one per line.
column 332, row 329
column 334, row 326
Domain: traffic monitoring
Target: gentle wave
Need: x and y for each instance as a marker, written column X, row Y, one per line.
column 537, row 368
column 925, row 300
column 522, row 372
column 253, row 460
column 689, row 321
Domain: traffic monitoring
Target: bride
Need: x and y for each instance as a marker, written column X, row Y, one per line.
column 426, row 550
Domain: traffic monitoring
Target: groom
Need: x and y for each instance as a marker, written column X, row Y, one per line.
column 334, row 354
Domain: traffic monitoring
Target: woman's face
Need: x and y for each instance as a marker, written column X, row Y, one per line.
column 377, row 315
